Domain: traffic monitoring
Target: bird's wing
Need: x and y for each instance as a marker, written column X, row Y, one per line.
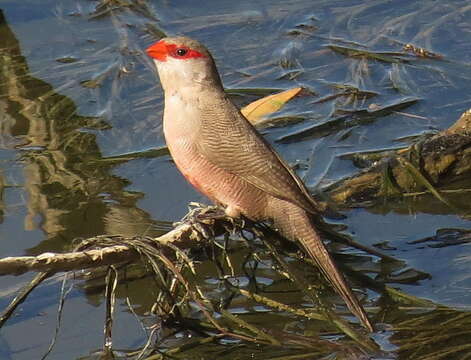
column 230, row 142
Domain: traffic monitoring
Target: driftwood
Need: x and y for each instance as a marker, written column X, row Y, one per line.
column 437, row 162
column 198, row 225
column 115, row 249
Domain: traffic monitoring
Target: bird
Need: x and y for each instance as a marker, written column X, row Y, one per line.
column 224, row 157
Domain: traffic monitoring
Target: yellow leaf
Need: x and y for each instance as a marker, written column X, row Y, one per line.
column 256, row 111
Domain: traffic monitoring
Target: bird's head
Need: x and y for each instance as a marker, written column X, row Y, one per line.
column 183, row 62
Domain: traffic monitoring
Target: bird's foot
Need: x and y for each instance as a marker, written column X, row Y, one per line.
column 201, row 217
column 234, row 224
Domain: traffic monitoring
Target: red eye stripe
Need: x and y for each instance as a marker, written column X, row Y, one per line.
column 160, row 50
column 182, row 52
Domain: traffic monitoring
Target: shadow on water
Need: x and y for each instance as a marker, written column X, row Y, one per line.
column 65, row 176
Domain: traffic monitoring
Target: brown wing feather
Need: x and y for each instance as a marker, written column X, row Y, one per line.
column 230, row 142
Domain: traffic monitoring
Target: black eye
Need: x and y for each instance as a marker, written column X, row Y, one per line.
column 181, row 52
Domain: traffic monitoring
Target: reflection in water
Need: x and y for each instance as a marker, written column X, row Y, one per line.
column 70, row 189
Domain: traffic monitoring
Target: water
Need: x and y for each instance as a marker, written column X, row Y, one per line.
column 80, row 103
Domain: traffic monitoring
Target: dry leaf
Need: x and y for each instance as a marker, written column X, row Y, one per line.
column 257, row 110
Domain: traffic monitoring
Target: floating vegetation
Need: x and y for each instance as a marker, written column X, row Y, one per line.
column 387, row 57
column 421, row 52
column 345, row 118
column 67, row 59
column 107, row 7
column 446, row 237
column 350, row 91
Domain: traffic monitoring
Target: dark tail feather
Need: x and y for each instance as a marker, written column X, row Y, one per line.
column 294, row 223
column 316, row 249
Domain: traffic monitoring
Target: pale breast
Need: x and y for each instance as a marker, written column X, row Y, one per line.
column 218, row 185
column 182, row 134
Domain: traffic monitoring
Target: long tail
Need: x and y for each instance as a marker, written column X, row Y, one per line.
column 294, row 223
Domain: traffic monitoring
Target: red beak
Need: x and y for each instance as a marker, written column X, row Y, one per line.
column 158, row 51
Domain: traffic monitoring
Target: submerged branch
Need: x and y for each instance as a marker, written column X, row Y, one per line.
column 430, row 164
column 175, row 271
column 115, row 249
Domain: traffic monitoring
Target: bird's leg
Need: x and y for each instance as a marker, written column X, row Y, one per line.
column 200, row 217
column 235, row 217
column 233, row 211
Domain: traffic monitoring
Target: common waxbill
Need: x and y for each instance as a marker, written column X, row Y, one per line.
column 223, row 156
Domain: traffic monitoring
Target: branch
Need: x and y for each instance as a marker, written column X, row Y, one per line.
column 431, row 163
column 115, row 249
